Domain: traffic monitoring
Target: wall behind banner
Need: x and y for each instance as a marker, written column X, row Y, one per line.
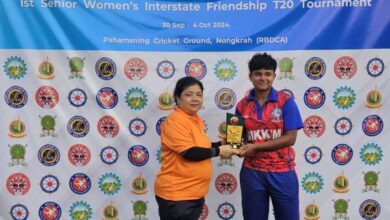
column 80, row 115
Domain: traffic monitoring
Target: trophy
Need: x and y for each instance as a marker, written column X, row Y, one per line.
column 234, row 130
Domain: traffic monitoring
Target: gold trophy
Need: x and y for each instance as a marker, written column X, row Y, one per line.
column 234, row 130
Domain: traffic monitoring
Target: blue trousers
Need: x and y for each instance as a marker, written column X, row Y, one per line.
column 258, row 187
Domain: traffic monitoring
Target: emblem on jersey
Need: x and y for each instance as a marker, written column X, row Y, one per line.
column 205, row 212
column 314, row 97
column 344, row 97
column 371, row 181
column 374, row 99
column 105, row 68
column 111, row 212
column 226, row 211
column 286, row 65
column 48, row 124
column 107, row 98
column 313, row 154
column 345, row 67
column 46, row 70
column 139, row 208
column 136, row 69
column 138, row 155
column 225, row 98
column 17, row 129
column 165, row 69
column 136, row 98
column 18, row 184
column 80, row 183
column 109, row 155
column 288, row 92
column 312, row 212
column 225, row 69
column 312, row 183
column 158, row 124
column 137, row 127
column 315, row 68
column 139, row 185
column 19, row 212
column 79, row 155
column 158, row 155
column 76, row 65
column 46, row 97
column 77, row 97
column 49, row 183
column 165, row 101
column 15, row 67
column 50, row 211
column 375, row 67
column 108, row 126
column 372, row 125
column 314, row 126
column 341, row 184
column 371, row 154
column 343, row 126
column 226, row 183
column 18, row 154
column 196, row 68
column 109, row 183
column 370, row 209
column 80, row 210
column 78, row 126
column 340, row 209
column 15, row 97
column 48, row 155
column 342, row 154
column 276, row 114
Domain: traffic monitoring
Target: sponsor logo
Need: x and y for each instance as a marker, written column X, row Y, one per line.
column 136, row 98
column 50, row 211
column 109, row 155
column 137, row 127
column 139, row 209
column 15, row 97
column 371, row 154
column 15, row 67
column 105, row 68
column 78, row 126
column 341, row 209
column 76, row 65
column 314, row 126
column 313, row 154
column 225, row 98
column 205, row 212
column 135, row 69
column 158, row 124
column 165, row 101
column 315, row 68
column 79, row 155
column 80, row 210
column 49, row 183
column 342, row 154
column 18, row 184
column 47, row 97
column 18, row 154
column 138, row 155
column 108, row 126
column 225, row 69
column 345, row 67
column 341, row 184
column 196, row 68
column 288, row 92
column 370, row 209
column 109, row 183
column 226, row 183
column 80, row 183
column 19, row 212
column 46, row 70
column 312, row 183
column 375, row 67
column 374, row 99
column 371, row 181
column 111, row 212
column 139, row 185
column 286, row 65
column 312, row 212
column 107, row 98
column 48, row 124
column 77, row 97
column 17, row 129
column 226, row 211
column 372, row 125
column 344, row 97
column 343, row 126
column 48, row 155
column 314, row 97
column 165, row 69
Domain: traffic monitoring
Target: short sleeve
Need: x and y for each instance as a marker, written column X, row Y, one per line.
column 176, row 135
column 292, row 119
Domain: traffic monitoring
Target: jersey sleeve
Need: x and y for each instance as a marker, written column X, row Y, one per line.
column 292, row 119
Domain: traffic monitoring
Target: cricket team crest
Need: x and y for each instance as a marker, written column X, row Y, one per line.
column 158, row 124
column 345, row 67
column 226, row 211
column 46, row 70
column 139, row 185
column 136, row 69
column 370, row 209
column 50, row 211
column 107, row 98
column 78, row 126
column 371, row 179
column 109, row 183
column 315, row 68
column 341, row 184
column 15, row 97
column 196, row 68
column 79, row 155
column 48, row 124
column 374, row 99
column 17, row 129
column 18, row 184
column 205, row 212
column 225, row 98
column 312, row 183
column 80, row 183
column 371, row 154
column 108, row 126
column 286, row 65
column 342, row 154
column 136, row 98
column 18, row 155
column 314, row 126
column 375, row 67
column 76, row 65
column 138, row 155
column 165, row 69
column 165, row 101
column 343, row 126
column 77, row 97
column 137, row 127
column 110, row 212
column 313, row 154
column 49, row 184
column 48, row 155
column 225, row 69
column 80, row 210
column 15, row 67
column 372, row 125
column 105, row 68
column 19, row 212
column 340, row 209
column 47, row 97
column 109, row 155
column 312, row 212
column 344, row 97
column 226, row 183
column 314, row 97
column 139, row 208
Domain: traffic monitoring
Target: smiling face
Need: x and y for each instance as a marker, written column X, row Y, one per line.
column 262, row 79
column 191, row 99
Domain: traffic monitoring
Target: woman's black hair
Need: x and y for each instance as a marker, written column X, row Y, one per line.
column 262, row 61
column 183, row 84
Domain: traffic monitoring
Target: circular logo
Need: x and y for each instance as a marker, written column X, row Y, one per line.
column 109, row 155
column 15, row 96
column 139, row 185
column 136, row 98
column 105, row 68
column 312, row 211
column 312, row 182
column 345, row 67
column 165, row 69
column 315, row 68
column 108, row 126
column 78, row 126
column 46, row 97
column 314, row 126
column 195, row 68
column 19, row 212
column 138, row 155
column 110, row 212
column 341, row 206
column 205, row 212
column 314, row 97
column 137, row 127
column 76, row 65
column 372, row 125
column 140, row 208
column 225, row 98
column 15, row 67
column 49, row 183
column 79, row 155
column 226, row 183
column 375, row 67
column 344, row 97
column 136, row 69
column 370, row 209
column 80, row 210
column 18, row 184
column 222, row 129
column 165, row 101
column 343, row 126
column 77, row 97
column 107, row 98
column 48, row 155
column 226, row 211
column 158, row 125
column 50, row 211
column 313, row 154
column 288, row 92
column 109, row 183
column 46, row 70
column 342, row 154
column 371, row 154
column 225, row 69
column 374, row 99
column 341, row 184
column 80, row 183
column 17, row 129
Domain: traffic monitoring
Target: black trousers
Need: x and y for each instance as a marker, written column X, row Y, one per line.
column 180, row 210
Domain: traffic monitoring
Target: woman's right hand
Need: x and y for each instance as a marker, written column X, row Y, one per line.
column 226, row 151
